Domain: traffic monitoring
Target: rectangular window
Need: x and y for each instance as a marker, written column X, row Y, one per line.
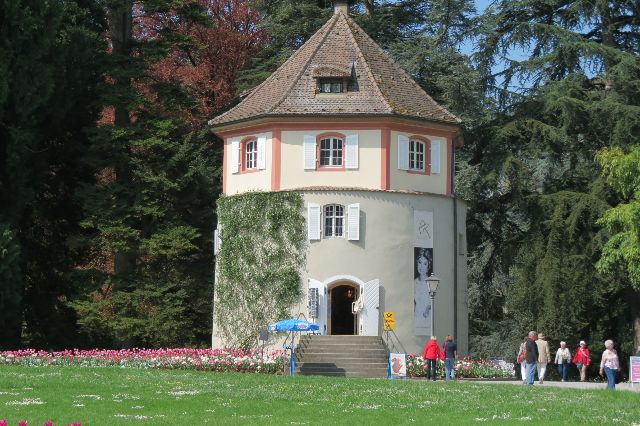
column 333, row 221
column 416, row 155
column 331, row 150
column 251, row 155
column 331, row 86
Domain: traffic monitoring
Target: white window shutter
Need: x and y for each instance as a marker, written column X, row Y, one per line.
column 354, row 221
column 435, row 156
column 309, row 151
column 403, row 152
column 262, row 147
column 216, row 242
column 313, row 221
column 352, row 152
column 234, row 158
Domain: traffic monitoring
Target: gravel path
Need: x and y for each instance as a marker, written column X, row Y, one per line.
column 573, row 385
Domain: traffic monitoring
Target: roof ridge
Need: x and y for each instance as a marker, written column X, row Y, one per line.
column 364, row 62
column 255, row 91
column 401, row 70
column 303, row 68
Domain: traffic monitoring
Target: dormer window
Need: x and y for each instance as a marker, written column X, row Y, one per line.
column 331, row 86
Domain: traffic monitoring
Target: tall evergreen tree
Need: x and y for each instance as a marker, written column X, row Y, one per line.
column 51, row 62
column 149, row 211
column 570, row 94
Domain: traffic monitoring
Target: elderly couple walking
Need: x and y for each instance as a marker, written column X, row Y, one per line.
column 534, row 355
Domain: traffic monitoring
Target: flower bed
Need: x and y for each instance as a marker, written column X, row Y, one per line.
column 466, row 368
column 272, row 362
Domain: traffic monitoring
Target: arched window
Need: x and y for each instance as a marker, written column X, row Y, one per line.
column 331, row 151
column 333, row 220
column 416, row 155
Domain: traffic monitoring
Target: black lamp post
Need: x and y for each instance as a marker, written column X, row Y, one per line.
column 432, row 284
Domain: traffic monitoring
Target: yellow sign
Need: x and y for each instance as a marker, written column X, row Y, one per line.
column 389, row 320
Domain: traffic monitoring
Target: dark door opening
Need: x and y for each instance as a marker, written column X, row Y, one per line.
column 343, row 321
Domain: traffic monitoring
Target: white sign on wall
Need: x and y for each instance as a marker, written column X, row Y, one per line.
column 422, row 229
column 422, row 268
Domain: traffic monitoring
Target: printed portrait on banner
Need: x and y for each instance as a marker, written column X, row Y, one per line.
column 422, row 268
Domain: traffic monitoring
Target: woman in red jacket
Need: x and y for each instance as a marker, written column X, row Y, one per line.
column 582, row 360
column 431, row 354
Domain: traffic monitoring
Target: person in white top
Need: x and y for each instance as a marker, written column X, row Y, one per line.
column 563, row 358
column 610, row 364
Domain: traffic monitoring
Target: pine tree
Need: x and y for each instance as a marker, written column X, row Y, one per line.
column 49, row 73
column 149, row 214
column 573, row 93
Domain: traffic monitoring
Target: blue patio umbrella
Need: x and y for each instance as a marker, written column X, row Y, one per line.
column 292, row 325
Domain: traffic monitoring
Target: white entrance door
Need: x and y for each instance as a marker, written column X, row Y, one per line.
column 370, row 314
column 321, row 320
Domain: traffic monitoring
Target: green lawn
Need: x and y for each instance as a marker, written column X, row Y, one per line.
column 112, row 396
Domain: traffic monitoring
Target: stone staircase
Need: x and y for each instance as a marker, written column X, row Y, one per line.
column 350, row 356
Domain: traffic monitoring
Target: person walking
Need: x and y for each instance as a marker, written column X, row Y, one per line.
column 582, row 360
column 432, row 354
column 563, row 357
column 531, row 351
column 544, row 357
column 522, row 360
column 610, row 364
column 450, row 352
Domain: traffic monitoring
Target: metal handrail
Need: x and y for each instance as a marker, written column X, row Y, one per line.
column 391, row 345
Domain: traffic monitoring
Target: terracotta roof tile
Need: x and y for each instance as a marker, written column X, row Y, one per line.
column 338, row 48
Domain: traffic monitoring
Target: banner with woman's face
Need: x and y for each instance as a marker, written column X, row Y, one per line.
column 422, row 268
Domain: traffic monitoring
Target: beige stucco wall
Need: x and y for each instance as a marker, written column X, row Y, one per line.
column 293, row 174
column 259, row 180
column 402, row 180
column 385, row 252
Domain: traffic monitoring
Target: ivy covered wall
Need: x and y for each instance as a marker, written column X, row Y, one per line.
column 261, row 254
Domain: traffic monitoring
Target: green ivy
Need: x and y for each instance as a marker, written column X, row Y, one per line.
column 258, row 266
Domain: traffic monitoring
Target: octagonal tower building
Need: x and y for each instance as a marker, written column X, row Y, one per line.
column 373, row 156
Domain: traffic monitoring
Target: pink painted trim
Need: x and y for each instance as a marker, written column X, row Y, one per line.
column 339, row 126
column 225, row 160
column 449, row 165
column 321, row 136
column 384, row 158
column 276, row 159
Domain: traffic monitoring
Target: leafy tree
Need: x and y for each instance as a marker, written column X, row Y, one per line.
column 621, row 254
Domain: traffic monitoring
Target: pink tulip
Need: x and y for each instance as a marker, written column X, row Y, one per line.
column 22, row 423
column 48, row 423
column 3, row 422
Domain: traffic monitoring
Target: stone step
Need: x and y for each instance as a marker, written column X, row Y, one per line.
column 340, row 356
column 372, row 373
column 347, row 365
column 342, row 349
column 349, row 356
column 349, row 339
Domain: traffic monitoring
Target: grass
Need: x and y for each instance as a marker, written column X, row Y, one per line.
column 113, row 396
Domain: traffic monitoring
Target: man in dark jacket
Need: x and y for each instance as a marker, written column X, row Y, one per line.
column 531, row 351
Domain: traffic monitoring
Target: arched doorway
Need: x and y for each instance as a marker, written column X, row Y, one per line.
column 342, row 319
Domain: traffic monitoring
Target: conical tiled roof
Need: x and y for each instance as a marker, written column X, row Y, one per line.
column 339, row 48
